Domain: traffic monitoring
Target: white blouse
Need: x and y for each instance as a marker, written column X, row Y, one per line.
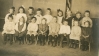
column 64, row 29
column 48, row 18
column 19, row 15
column 39, row 18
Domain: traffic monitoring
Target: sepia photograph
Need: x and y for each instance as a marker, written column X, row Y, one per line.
column 49, row 27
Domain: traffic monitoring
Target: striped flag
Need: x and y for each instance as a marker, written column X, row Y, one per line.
column 68, row 6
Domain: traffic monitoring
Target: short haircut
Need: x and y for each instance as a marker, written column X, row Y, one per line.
column 13, row 8
column 31, row 8
column 34, row 18
column 87, row 22
column 21, row 8
column 44, row 19
column 10, row 16
column 49, row 9
column 58, row 10
column 87, row 11
column 78, row 12
column 39, row 9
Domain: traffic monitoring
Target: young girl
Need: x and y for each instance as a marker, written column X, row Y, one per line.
column 68, row 18
column 11, row 12
column 39, row 16
column 20, row 30
column 64, row 32
column 75, row 34
column 21, row 13
column 43, row 28
column 32, row 30
column 30, row 14
column 53, row 31
column 48, row 15
column 77, row 17
column 8, row 30
column 86, row 35
column 60, row 16
column 86, row 18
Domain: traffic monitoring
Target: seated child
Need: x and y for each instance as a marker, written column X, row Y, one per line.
column 20, row 30
column 75, row 34
column 32, row 31
column 43, row 28
column 9, row 30
column 53, row 31
column 64, row 32
column 86, row 35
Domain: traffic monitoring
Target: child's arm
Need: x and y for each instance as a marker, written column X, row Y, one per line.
column 68, row 31
column 16, row 27
column 24, row 28
column 79, row 32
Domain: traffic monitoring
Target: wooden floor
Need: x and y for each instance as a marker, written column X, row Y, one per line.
column 36, row 50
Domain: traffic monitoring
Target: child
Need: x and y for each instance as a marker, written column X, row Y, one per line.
column 48, row 15
column 64, row 32
column 30, row 14
column 8, row 30
column 43, row 28
column 86, row 35
column 39, row 16
column 20, row 30
column 75, row 34
column 21, row 13
column 11, row 12
column 60, row 16
column 68, row 18
column 77, row 17
column 32, row 30
column 86, row 18
column 53, row 31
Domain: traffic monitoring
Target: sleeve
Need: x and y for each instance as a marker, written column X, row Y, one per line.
column 39, row 27
column 6, row 18
column 91, row 23
column 4, row 27
column 46, row 29
column 58, row 27
column 50, row 28
column 36, row 28
column 63, row 19
column 82, row 22
column 25, row 18
column 16, row 27
column 79, row 31
column 16, row 19
column 24, row 28
column 61, row 30
column 28, row 27
column 68, row 30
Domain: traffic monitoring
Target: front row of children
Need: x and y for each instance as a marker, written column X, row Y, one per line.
column 53, row 32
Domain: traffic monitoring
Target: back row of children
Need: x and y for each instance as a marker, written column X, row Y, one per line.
column 52, row 29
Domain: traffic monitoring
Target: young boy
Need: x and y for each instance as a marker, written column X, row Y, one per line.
column 86, row 35
column 86, row 18
column 43, row 28
column 30, row 14
column 32, row 30
column 39, row 15
column 64, row 32
column 48, row 15
column 75, row 34
column 53, row 31
column 20, row 28
column 8, row 30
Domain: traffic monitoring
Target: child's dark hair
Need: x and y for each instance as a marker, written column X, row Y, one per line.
column 13, row 8
column 49, row 9
column 34, row 18
column 39, row 9
column 10, row 16
column 58, row 10
column 87, row 11
column 31, row 8
column 87, row 22
column 78, row 13
column 21, row 8
column 44, row 19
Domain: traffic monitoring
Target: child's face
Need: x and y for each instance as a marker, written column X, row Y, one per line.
column 21, row 19
column 59, row 13
column 48, row 12
column 10, row 19
column 38, row 12
column 21, row 10
column 11, row 11
column 54, row 19
column 75, row 23
column 65, row 23
column 78, row 15
column 86, row 24
column 33, row 20
column 30, row 11
column 86, row 14
column 43, row 22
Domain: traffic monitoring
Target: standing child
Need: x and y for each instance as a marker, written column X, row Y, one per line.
column 11, row 12
column 32, row 30
column 53, row 31
column 21, row 13
column 20, row 30
column 30, row 14
column 9, row 30
column 64, row 32
column 43, row 28
column 39, row 15
column 48, row 15
column 86, row 18
column 75, row 34
column 86, row 35
column 60, row 16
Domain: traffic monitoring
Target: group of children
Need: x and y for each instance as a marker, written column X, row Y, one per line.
column 49, row 29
